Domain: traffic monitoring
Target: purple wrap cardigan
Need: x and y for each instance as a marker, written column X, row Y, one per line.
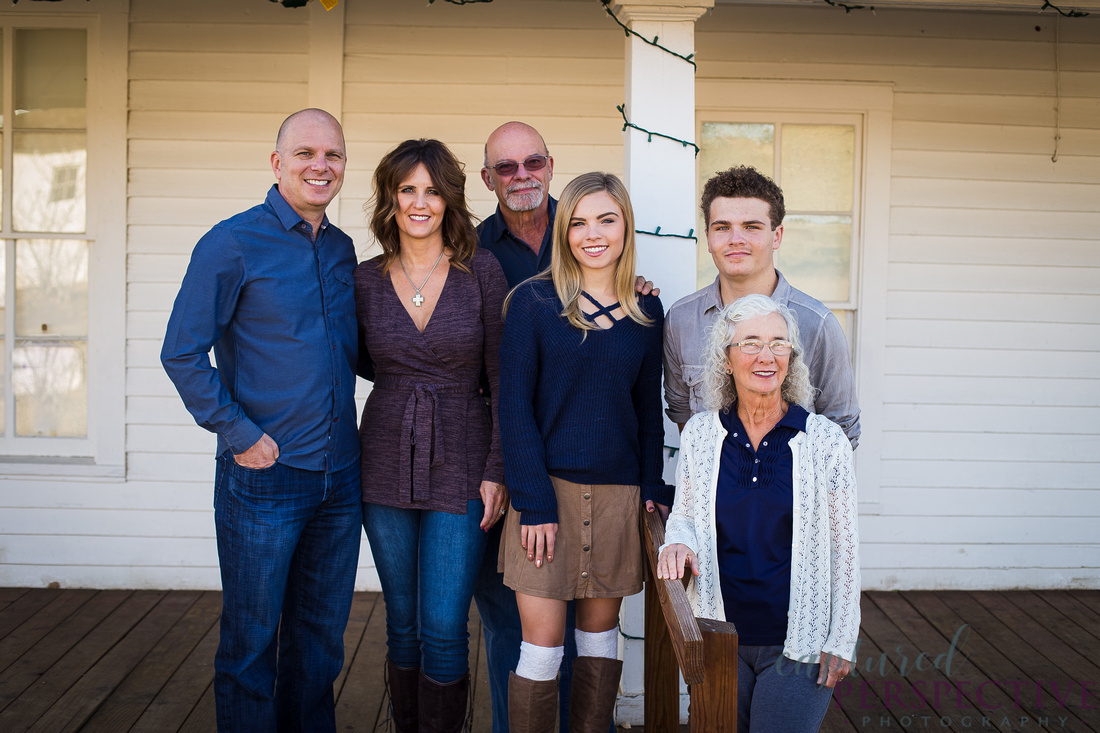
column 428, row 437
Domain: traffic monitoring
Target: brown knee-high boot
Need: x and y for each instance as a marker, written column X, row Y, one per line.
column 402, row 685
column 592, row 697
column 532, row 706
column 443, row 705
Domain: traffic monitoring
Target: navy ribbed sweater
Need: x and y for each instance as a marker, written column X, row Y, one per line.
column 584, row 411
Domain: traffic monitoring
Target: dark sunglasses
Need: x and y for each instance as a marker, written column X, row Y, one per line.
column 531, row 163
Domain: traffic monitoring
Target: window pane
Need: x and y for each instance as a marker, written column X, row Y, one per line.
column 49, row 171
column 815, row 255
column 724, row 145
column 817, row 166
column 51, row 394
column 51, row 68
column 51, row 288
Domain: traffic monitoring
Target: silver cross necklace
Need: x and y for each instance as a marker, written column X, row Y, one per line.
column 418, row 299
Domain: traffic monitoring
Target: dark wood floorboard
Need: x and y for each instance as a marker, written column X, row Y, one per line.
column 113, row 661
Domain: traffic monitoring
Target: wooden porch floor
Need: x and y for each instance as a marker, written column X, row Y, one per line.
column 85, row 660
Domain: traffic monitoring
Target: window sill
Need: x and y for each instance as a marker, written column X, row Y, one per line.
column 58, row 466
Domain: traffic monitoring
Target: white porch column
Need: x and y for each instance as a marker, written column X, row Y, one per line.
column 660, row 173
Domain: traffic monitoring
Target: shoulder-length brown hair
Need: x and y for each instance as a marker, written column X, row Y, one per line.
column 449, row 179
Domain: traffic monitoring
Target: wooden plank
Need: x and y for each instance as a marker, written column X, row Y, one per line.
column 989, row 447
column 183, row 695
column 228, row 96
column 998, row 653
column 926, row 220
column 112, row 551
column 61, row 522
column 998, row 278
column 661, row 681
column 1060, row 563
column 1066, row 662
column 997, row 149
column 203, row 717
column 215, row 66
column 17, row 641
column 683, row 628
column 890, row 675
column 49, row 685
column 1085, row 615
column 919, row 332
column 37, row 661
column 1038, row 419
column 447, row 42
column 988, row 474
column 80, row 701
column 966, row 390
column 129, row 700
column 362, row 697
column 1085, row 642
column 23, row 606
column 984, row 194
column 966, row 501
column 714, row 700
column 967, row 306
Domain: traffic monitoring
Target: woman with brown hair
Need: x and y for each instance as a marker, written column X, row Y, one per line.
column 429, row 315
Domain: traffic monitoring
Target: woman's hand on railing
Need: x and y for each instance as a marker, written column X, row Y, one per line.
column 651, row 505
column 673, row 559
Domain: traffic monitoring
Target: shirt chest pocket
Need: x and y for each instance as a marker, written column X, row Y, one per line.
column 693, row 378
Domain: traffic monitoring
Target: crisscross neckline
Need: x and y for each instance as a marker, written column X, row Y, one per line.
column 601, row 309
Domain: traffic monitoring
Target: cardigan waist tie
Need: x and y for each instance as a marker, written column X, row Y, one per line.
column 421, row 446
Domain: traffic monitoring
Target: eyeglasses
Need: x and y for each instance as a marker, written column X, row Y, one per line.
column 779, row 347
column 508, row 168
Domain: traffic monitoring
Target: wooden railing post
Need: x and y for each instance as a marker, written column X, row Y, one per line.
column 713, row 707
column 705, row 650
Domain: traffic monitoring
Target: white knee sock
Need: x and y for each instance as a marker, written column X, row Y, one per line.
column 539, row 663
column 599, row 644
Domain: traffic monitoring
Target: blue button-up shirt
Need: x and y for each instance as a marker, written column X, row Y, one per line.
column 518, row 260
column 278, row 311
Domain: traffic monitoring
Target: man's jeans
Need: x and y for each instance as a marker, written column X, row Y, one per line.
column 288, row 545
column 427, row 563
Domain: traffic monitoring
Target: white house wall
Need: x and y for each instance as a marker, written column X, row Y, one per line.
column 986, row 409
column 988, row 425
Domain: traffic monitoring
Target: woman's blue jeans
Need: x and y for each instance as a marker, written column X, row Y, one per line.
column 288, row 546
column 427, row 563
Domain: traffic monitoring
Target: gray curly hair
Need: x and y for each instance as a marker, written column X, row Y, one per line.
column 719, row 391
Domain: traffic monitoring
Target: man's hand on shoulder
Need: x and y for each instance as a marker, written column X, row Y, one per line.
column 645, row 287
column 262, row 454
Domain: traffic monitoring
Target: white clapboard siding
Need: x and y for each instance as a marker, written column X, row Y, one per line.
column 988, row 425
column 987, row 382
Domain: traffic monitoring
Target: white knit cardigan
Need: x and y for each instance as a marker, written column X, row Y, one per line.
column 824, row 608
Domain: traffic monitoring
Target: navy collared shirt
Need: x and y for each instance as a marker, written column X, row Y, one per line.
column 754, row 517
column 518, row 261
column 278, row 311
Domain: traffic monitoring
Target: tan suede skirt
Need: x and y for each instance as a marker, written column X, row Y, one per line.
column 597, row 550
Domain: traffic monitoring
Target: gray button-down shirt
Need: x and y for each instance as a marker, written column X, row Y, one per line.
column 823, row 342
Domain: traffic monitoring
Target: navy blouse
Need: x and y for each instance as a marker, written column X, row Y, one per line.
column 754, row 510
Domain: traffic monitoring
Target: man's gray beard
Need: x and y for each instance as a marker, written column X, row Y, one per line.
column 524, row 202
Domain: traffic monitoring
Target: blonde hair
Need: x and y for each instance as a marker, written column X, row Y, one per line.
column 719, row 391
column 565, row 271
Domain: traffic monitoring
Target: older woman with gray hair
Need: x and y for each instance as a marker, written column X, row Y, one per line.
column 765, row 518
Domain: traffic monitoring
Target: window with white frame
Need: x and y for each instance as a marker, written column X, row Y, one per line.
column 815, row 160
column 44, row 267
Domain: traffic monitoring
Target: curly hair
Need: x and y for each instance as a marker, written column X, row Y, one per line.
column 719, row 391
column 744, row 182
column 449, row 179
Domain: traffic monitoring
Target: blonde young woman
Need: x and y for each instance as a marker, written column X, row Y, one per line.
column 580, row 406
